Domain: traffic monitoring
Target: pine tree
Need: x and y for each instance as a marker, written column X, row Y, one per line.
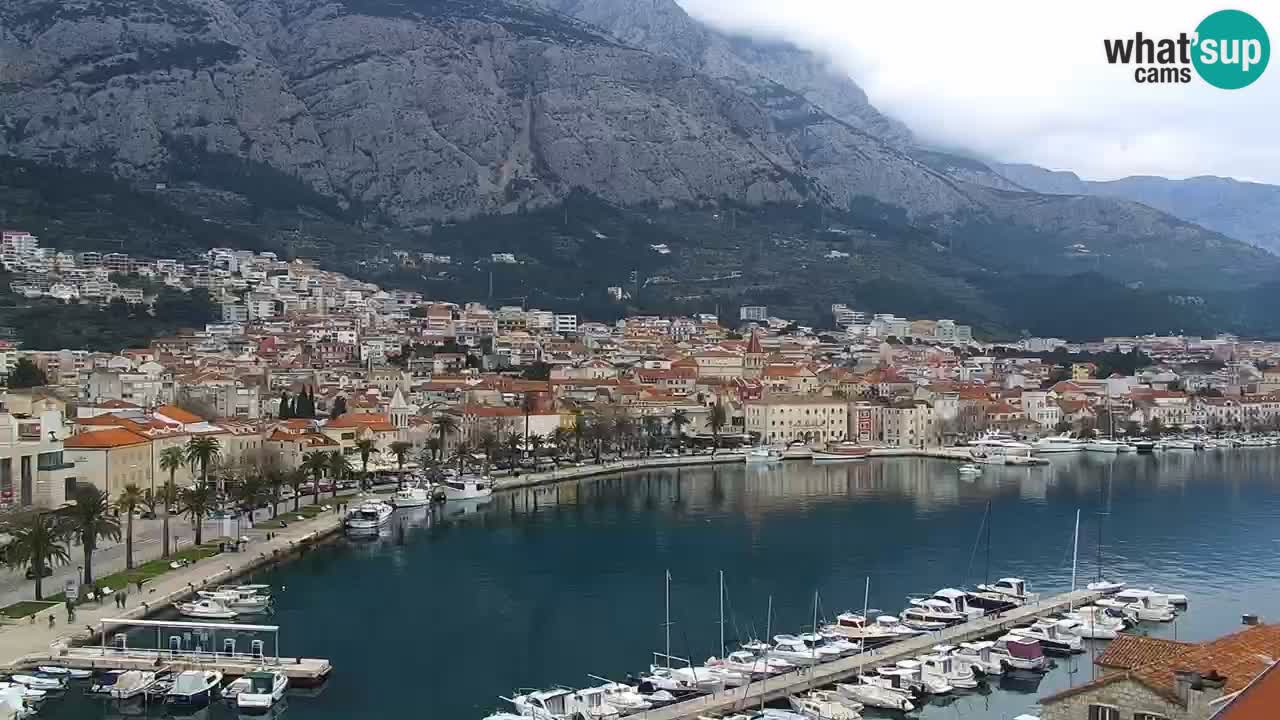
column 339, row 407
column 286, row 410
column 26, row 374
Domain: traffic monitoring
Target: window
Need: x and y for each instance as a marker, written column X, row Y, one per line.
column 1104, row 712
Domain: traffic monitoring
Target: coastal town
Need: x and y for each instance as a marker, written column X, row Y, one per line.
column 311, row 382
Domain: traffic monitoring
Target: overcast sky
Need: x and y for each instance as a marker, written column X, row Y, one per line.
column 1028, row 81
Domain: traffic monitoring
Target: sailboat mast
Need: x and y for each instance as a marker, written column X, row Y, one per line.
column 768, row 629
column 815, row 623
column 667, row 624
column 987, row 570
column 1075, row 550
column 722, row 613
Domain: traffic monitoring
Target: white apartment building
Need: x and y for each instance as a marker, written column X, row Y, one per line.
column 753, row 313
column 566, row 324
column 33, row 472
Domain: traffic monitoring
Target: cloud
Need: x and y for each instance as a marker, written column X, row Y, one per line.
column 1028, row 82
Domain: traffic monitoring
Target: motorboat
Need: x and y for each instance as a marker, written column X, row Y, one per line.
column 1180, row 444
column 241, row 601
column 1097, row 622
column 743, row 661
column 1014, row 589
column 872, row 695
column 797, row 651
column 1106, row 587
column 625, row 698
column 930, row 614
column 841, row 452
column 194, row 688
column 265, row 689
column 564, row 703
column 797, row 451
column 892, row 678
column 977, row 655
column 960, row 602
column 130, row 684
column 856, row 628
column 467, row 487
column 206, row 609
column 411, row 497
column 30, row 695
column 1107, row 445
column 1141, row 605
column 820, row 705
column 656, row 697
column 368, row 516
column 1018, row 652
column 1000, row 450
column 891, row 624
column 970, row 470
column 682, row 680
column 37, row 682
column 1146, row 447
column 931, row 684
column 73, row 673
column 1053, row 635
column 14, row 702
column 762, row 455
column 1057, row 444
column 835, row 642
column 940, row 666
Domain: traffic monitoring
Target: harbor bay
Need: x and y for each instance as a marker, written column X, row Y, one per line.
column 453, row 606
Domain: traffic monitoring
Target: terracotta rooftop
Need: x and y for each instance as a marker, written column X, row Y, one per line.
column 105, row 439
column 1258, row 701
column 173, row 412
column 1129, row 651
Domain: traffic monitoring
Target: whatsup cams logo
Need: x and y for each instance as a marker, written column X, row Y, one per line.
column 1229, row 50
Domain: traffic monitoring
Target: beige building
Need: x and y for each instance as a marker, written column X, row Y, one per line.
column 780, row 418
column 33, row 470
column 909, row 424
column 110, row 459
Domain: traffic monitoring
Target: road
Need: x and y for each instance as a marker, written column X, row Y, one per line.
column 110, row 556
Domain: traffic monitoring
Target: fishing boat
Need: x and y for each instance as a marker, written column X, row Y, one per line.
column 823, row 705
column 467, row 487
column 876, row 696
column 1053, row 635
column 265, row 689
column 941, row 667
column 194, row 688
column 1018, row 652
column 411, row 496
column 762, row 455
column 206, row 609
column 368, row 516
column 977, row 655
column 841, row 452
column 856, row 628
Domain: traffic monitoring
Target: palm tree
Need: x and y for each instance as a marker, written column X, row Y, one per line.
column 89, row 520
column 679, row 419
column 717, row 421
column 171, row 459
column 130, row 498
column 560, row 439
column 579, row 430
column 400, row 450
column 488, row 444
column 38, row 543
column 203, row 452
column 195, row 502
column 249, row 494
column 462, row 452
column 652, row 428
column 526, row 406
column 275, row 480
column 446, row 425
column 339, row 468
column 314, row 464
column 366, row 448
column 433, row 445
column 296, row 478
column 536, row 442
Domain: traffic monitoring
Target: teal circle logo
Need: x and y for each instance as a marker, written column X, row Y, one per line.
column 1232, row 49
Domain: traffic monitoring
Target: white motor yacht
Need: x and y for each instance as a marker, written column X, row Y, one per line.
column 762, row 455
column 820, row 705
column 872, row 695
column 942, row 665
column 194, row 688
column 563, row 704
column 683, row 680
column 1098, row 623
column 1106, row 587
column 1179, row 444
column 238, row 600
column 206, row 609
column 931, row 684
column 931, row 614
column 857, row 629
column 625, row 698
column 1057, row 444
column 411, row 496
column 1014, row 589
column 1142, row 605
column 467, row 487
column 368, row 516
column 970, row 470
column 837, row 643
column 743, row 661
column 977, row 655
column 35, row 682
column 1018, row 652
column 1107, row 445
column 796, row 650
column 265, row 689
column 1053, row 635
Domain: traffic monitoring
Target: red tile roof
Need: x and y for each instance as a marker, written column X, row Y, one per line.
column 176, row 413
column 105, row 439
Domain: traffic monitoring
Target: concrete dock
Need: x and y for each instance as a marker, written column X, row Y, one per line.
column 802, row 680
column 302, row 672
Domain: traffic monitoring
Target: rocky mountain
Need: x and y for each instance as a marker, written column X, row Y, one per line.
column 358, row 127
column 1242, row 210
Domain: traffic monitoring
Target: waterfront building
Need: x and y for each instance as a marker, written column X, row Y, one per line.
column 782, row 418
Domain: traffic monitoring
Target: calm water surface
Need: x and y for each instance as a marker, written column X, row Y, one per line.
column 455, row 606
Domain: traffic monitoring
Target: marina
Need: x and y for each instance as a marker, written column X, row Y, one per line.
column 530, row 566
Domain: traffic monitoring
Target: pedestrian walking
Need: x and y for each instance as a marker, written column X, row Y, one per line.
column 124, row 599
